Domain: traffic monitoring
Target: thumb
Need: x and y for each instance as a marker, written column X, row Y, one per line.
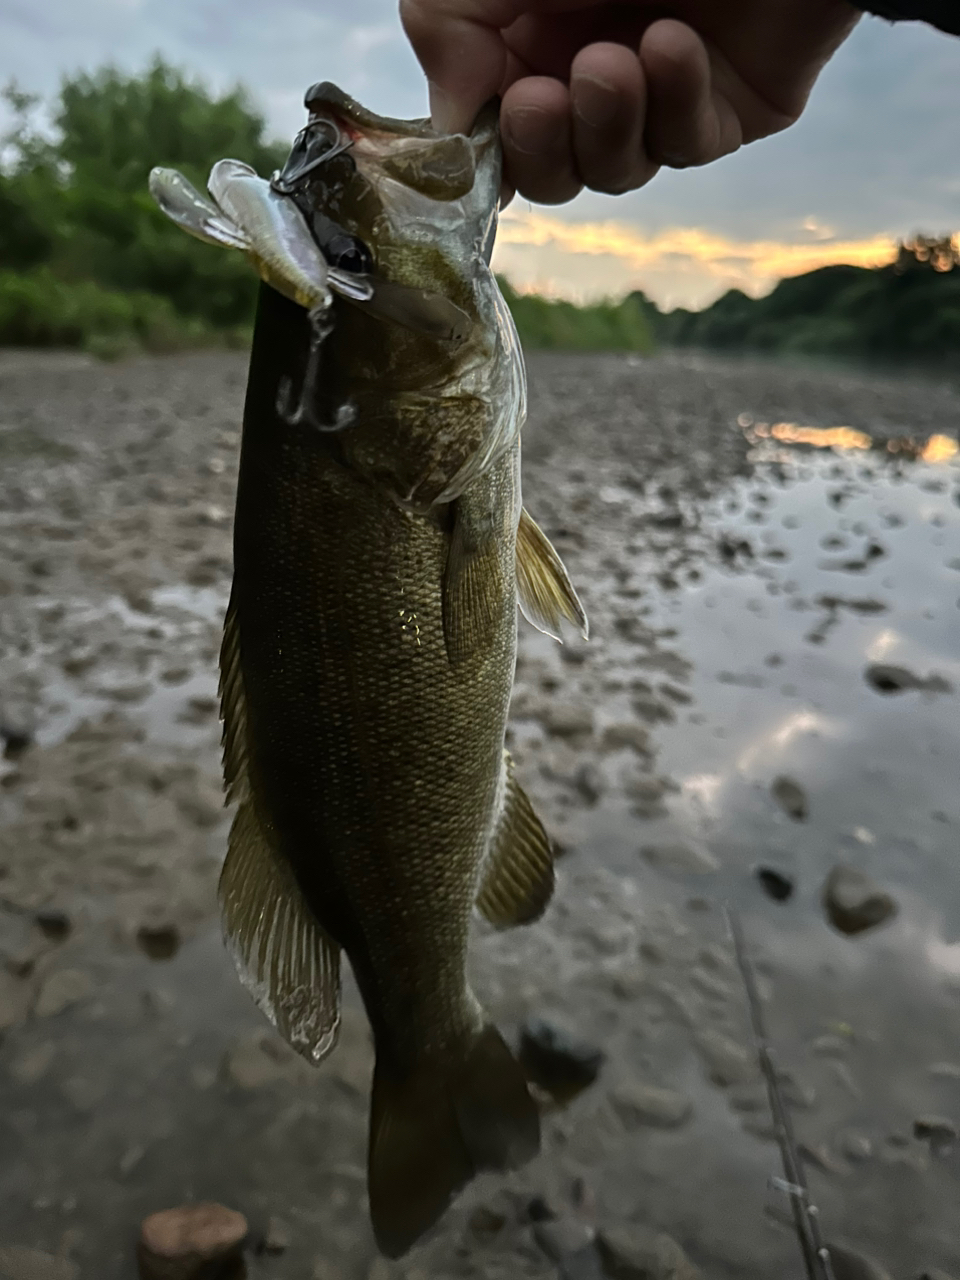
column 459, row 45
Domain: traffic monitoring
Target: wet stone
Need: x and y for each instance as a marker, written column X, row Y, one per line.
column 726, row 1061
column 848, row 1264
column 263, row 1059
column 33, row 1065
column 642, row 1104
column 685, row 858
column 63, row 988
column 556, row 1060
column 191, row 1242
column 855, row 1146
column 563, row 1237
column 17, row 1263
column 830, row 1046
column 774, row 883
column 485, row 1222
column 16, row 738
column 791, row 797
column 638, row 1253
column 15, row 997
column 853, row 903
column 567, row 720
column 278, row 1237
column 626, row 735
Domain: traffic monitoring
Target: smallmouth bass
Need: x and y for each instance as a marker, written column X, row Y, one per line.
column 370, row 640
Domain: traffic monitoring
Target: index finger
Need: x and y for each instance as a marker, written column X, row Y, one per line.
column 459, row 44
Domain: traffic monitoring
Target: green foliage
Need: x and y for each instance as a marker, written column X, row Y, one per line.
column 908, row 311
column 77, row 204
column 604, row 326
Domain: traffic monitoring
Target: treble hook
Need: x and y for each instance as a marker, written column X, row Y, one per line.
column 302, row 413
column 286, row 184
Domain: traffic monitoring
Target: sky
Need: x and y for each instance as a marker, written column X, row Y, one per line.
column 875, row 157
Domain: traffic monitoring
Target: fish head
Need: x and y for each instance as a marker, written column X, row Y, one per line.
column 423, row 348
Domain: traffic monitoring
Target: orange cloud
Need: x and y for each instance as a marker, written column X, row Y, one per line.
column 706, row 261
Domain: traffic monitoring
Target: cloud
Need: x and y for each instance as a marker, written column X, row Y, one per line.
column 676, row 266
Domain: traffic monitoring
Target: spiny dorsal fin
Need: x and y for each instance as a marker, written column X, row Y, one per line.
column 284, row 958
column 518, row 878
column 473, row 585
column 545, row 591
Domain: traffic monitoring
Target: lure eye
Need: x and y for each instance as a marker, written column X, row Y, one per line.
column 349, row 253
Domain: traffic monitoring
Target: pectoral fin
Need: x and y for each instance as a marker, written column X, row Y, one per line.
column 193, row 212
column 545, row 591
column 519, row 878
column 473, row 585
column 284, row 958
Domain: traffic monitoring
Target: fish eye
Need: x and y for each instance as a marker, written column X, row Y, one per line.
column 349, row 253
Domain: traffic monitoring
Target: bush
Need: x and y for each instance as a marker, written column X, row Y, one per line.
column 604, row 326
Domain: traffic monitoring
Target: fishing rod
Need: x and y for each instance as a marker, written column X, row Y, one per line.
column 806, row 1215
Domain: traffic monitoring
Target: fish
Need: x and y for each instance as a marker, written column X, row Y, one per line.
column 381, row 549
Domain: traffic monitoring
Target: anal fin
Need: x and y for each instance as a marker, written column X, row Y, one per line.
column 287, row 962
column 544, row 588
column 519, row 877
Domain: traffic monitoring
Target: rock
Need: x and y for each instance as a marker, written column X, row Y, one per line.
column 855, row 1146
column 588, row 781
column 15, row 998
column 934, row 1273
column 945, row 1070
column 562, row 1237
column 485, row 1222
column 191, row 1242
column 822, row 1158
column 853, row 903
column 63, row 988
column 830, row 1046
column 567, row 719
column 727, row 1062
column 689, row 859
column 774, row 883
column 556, row 1060
column 644, row 1104
column 637, row 1253
column 790, row 796
column 850, row 1265
column 159, row 941
column 939, row 1131
column 888, row 679
column 53, row 924
column 627, row 734
column 18, row 1263
column 278, row 1237
column 33, row 1065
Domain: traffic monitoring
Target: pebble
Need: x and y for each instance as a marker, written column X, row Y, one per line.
column 556, row 1060
column 567, row 719
column 18, row 1263
column 822, row 1158
column 16, row 738
column 626, row 734
column 727, row 1062
column 278, row 1237
column 63, row 988
column 774, row 883
column 830, row 1046
column 853, row 903
column 563, row 1237
column 945, row 1070
column 34, row 1064
column 262, row 1058
column 188, row 1242
column 485, row 1222
column 685, row 858
column 790, row 796
column 637, row 1253
column 855, row 1146
column 643, row 1104
column 14, row 1000
column 850, row 1265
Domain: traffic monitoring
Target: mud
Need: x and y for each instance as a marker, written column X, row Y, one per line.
column 723, row 721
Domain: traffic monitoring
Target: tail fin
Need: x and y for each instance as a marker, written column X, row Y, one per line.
column 431, row 1132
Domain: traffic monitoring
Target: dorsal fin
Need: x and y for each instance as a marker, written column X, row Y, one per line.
column 545, row 591
column 518, row 878
column 288, row 963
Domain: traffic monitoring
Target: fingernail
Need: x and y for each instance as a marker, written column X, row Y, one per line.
column 442, row 109
column 595, row 101
column 531, row 130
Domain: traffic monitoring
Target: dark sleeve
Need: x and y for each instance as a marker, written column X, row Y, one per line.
column 944, row 14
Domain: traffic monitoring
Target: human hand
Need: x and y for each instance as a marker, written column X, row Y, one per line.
column 600, row 94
